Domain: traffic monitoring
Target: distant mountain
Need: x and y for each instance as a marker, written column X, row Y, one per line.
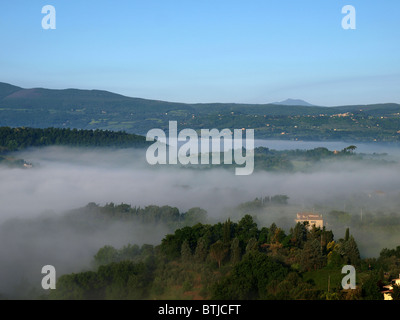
column 294, row 102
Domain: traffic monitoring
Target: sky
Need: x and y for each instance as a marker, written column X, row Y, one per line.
column 256, row 51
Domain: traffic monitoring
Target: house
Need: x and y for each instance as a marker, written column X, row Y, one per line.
column 27, row 165
column 311, row 218
column 387, row 293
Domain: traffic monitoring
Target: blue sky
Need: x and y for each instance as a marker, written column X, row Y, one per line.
column 255, row 51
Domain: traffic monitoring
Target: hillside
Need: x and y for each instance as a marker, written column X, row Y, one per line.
column 96, row 109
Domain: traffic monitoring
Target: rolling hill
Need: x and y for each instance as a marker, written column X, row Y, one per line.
column 97, row 109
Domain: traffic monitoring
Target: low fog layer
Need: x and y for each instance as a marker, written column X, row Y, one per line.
column 65, row 178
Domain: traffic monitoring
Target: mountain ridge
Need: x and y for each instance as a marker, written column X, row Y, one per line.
column 8, row 90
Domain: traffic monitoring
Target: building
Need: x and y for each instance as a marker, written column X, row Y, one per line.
column 311, row 218
column 387, row 293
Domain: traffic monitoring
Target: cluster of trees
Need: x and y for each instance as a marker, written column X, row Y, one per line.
column 370, row 220
column 289, row 160
column 387, row 264
column 229, row 260
column 12, row 162
column 94, row 215
column 12, row 139
column 285, row 160
column 115, row 281
column 259, row 203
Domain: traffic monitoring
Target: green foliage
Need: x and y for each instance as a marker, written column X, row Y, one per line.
column 252, row 245
column 371, row 287
column 310, row 257
column 335, row 259
column 201, row 252
column 246, row 229
column 396, row 292
column 109, row 254
column 186, row 252
column 299, row 235
column 172, row 243
column 236, row 252
column 122, row 280
column 164, row 215
column 250, row 278
column 218, row 252
column 195, row 215
column 13, row 139
column 207, row 260
column 106, row 255
column 351, row 252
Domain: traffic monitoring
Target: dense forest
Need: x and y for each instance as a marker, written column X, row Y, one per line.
column 17, row 139
column 13, row 139
column 233, row 260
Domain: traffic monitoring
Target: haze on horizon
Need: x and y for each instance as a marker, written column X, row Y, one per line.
column 201, row 52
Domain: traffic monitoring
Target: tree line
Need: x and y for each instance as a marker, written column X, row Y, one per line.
column 13, row 139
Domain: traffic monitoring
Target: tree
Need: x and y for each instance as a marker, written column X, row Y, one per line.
column 396, row 292
column 235, row 251
column 335, row 259
column 186, row 252
column 352, row 253
column 106, row 255
column 349, row 149
column 299, row 235
column 280, row 199
column 278, row 236
column 246, row 229
column 227, row 232
column 195, row 215
column 200, row 254
column 252, row 245
column 311, row 256
column 275, row 234
column 218, row 252
column 250, row 278
column 370, row 288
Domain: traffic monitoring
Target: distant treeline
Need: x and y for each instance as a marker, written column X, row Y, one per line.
column 13, row 139
column 298, row 159
column 96, row 215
